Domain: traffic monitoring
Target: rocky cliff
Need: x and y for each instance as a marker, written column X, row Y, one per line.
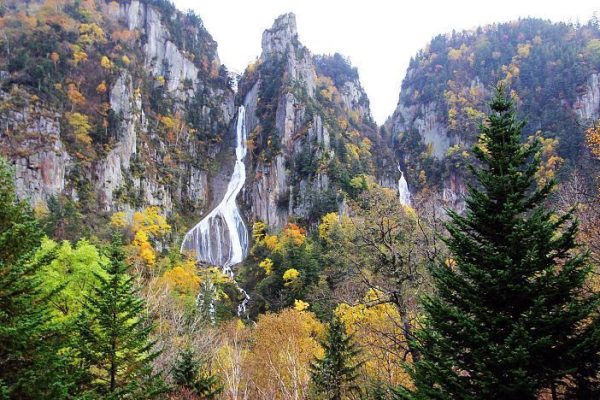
column 118, row 106
column 552, row 69
column 112, row 105
column 311, row 130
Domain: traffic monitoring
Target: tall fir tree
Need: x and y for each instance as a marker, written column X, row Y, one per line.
column 188, row 375
column 335, row 374
column 114, row 344
column 509, row 313
column 30, row 366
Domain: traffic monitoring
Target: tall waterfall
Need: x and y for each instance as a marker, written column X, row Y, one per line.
column 403, row 189
column 221, row 238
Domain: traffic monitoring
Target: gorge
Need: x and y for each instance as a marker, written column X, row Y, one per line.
column 221, row 237
column 172, row 230
column 164, row 137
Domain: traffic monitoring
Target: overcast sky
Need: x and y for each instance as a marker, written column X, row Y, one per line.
column 379, row 36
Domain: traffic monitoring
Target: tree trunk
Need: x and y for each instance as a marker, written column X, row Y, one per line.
column 406, row 326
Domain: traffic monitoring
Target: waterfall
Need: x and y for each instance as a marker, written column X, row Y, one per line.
column 403, row 189
column 221, row 238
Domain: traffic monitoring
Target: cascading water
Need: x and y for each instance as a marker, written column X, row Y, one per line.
column 403, row 189
column 221, row 238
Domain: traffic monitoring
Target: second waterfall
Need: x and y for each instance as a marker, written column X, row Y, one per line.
column 221, row 238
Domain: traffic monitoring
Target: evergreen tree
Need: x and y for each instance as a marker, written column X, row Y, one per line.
column 30, row 367
column 333, row 376
column 114, row 343
column 187, row 373
column 508, row 315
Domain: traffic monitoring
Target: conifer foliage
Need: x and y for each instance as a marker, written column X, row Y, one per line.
column 187, row 374
column 509, row 317
column 114, row 339
column 29, row 364
column 334, row 374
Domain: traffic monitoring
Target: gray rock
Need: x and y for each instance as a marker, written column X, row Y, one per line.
column 587, row 105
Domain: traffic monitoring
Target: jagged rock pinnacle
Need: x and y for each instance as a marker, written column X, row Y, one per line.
column 282, row 35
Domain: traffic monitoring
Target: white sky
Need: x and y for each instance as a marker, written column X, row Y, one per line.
column 379, row 36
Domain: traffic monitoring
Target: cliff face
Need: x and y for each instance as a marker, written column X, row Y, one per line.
column 311, row 129
column 41, row 161
column 551, row 68
column 129, row 109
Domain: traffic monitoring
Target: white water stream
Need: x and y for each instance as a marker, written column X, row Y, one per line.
column 403, row 189
column 221, row 238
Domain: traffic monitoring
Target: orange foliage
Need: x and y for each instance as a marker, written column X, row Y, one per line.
column 101, row 88
column 593, row 139
column 74, row 95
column 125, row 36
column 294, row 234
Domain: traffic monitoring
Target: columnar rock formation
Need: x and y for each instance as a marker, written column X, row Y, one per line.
column 139, row 111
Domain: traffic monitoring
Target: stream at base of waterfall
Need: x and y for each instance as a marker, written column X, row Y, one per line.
column 221, row 237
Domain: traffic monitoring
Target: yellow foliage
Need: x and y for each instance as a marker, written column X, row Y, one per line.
column 79, row 56
column 119, row 219
column 267, row 265
column 80, row 127
column 551, row 162
column 168, row 122
column 258, row 231
column 290, row 276
column 422, row 177
column 353, row 151
column 252, row 67
column 271, row 242
column 151, row 221
column 106, row 63
column 593, row 139
column 326, row 88
column 90, row 34
column 377, row 330
column 182, row 278
column 450, row 263
column 40, row 209
column 101, row 88
column 300, row 305
column 354, row 117
column 454, row 54
column 327, row 94
column 328, row 223
column 284, row 344
column 365, row 146
column 125, row 60
column 523, row 50
column 145, row 250
column 146, row 225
